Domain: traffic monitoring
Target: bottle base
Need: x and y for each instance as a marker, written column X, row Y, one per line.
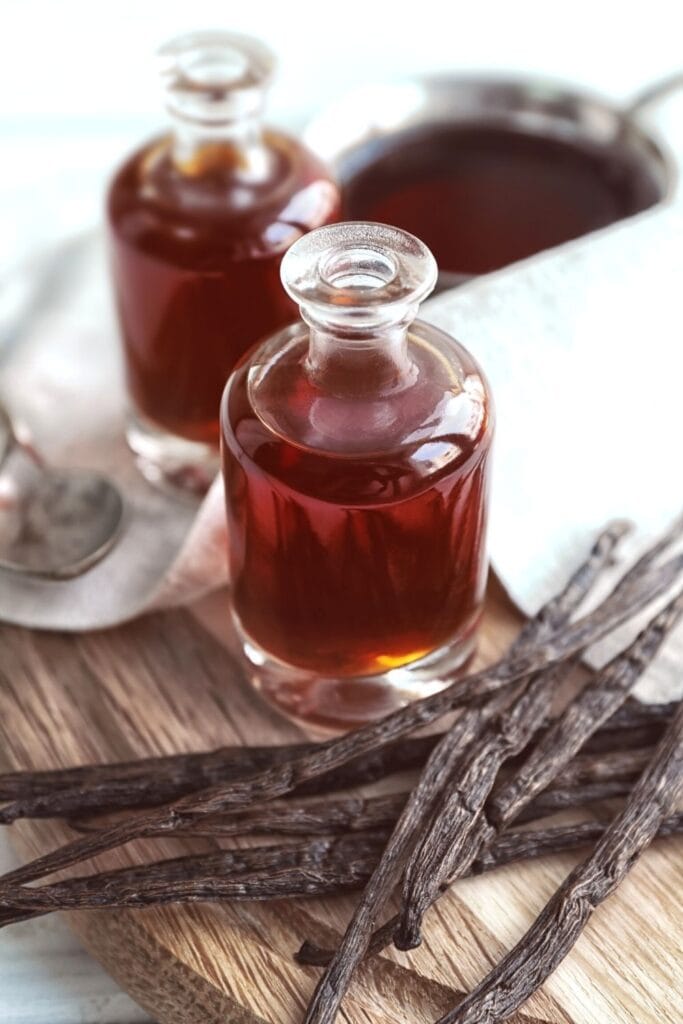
column 171, row 462
column 336, row 704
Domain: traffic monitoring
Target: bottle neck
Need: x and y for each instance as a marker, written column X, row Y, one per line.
column 359, row 287
column 215, row 91
column 361, row 363
column 199, row 147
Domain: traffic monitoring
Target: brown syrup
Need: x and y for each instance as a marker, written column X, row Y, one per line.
column 353, row 563
column 196, row 252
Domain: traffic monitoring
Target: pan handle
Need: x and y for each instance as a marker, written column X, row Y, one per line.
column 653, row 93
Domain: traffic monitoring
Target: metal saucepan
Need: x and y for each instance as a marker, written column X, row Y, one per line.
column 348, row 132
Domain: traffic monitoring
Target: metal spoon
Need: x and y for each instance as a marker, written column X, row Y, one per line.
column 54, row 523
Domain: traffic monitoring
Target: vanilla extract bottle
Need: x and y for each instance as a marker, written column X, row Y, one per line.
column 356, row 464
column 199, row 220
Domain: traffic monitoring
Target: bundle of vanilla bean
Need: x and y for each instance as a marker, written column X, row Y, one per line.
column 507, row 758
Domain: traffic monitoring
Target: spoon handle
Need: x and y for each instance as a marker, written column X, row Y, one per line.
column 12, row 442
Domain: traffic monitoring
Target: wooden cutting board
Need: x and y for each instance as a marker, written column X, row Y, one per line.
column 169, row 683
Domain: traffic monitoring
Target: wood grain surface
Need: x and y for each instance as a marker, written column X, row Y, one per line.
column 169, row 683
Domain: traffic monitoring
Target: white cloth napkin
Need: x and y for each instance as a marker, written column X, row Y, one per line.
column 583, row 349
column 62, row 380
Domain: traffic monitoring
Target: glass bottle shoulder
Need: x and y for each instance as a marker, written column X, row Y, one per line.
column 362, row 449
column 212, row 208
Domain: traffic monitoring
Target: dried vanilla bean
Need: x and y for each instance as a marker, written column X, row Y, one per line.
column 321, row 867
column 564, row 917
column 600, row 698
column 613, row 764
column 633, row 725
column 294, row 817
column 151, row 782
column 634, row 715
column 98, row 789
column 574, row 787
column 196, row 769
column 257, row 873
column 282, row 779
column 456, row 813
column 607, row 739
column 514, row 846
column 553, row 800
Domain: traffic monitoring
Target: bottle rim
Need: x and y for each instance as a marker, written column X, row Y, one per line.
column 358, row 266
column 215, row 76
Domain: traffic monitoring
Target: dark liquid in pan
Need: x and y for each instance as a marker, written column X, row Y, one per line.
column 483, row 197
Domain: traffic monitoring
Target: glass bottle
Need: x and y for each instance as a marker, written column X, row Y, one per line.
column 199, row 220
column 355, row 458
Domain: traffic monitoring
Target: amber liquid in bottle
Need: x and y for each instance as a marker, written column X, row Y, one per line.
column 354, row 565
column 199, row 221
column 356, row 476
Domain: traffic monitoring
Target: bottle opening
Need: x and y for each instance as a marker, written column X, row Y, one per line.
column 218, row 67
column 358, row 268
column 215, row 76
